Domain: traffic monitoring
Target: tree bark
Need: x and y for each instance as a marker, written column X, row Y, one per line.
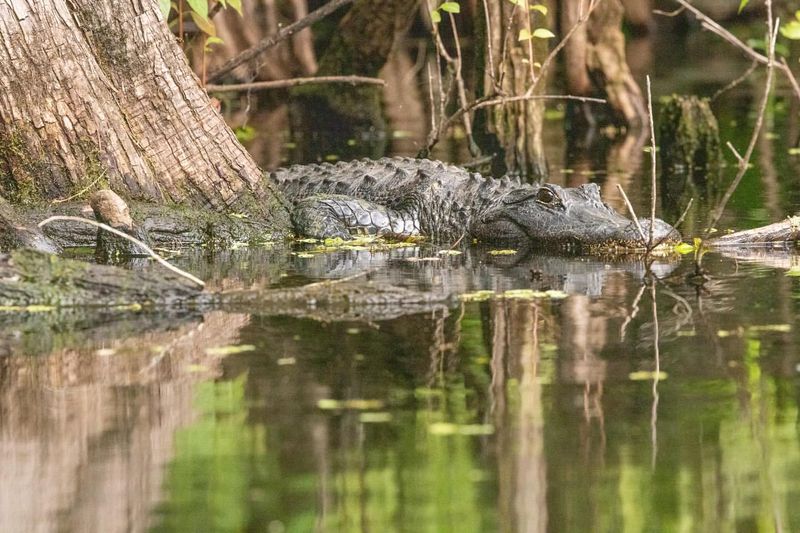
column 595, row 64
column 97, row 94
column 511, row 65
column 360, row 46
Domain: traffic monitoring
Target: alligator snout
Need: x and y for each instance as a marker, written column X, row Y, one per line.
column 663, row 233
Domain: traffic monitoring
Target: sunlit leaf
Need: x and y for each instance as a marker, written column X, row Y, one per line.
column 213, row 39
column 524, row 34
column 200, row 7
column 205, row 25
column 236, row 4
column 684, row 248
column 742, row 5
column 543, row 33
column 450, row 7
column 540, row 8
column 791, row 30
column 436, row 18
column 165, row 7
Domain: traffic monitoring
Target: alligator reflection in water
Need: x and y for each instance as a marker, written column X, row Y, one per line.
column 498, row 415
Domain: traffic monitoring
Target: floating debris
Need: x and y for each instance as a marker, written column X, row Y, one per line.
column 230, row 350
column 447, row 428
column 647, row 375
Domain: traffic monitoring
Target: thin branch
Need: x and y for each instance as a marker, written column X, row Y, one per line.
column 735, row 82
column 293, row 82
column 633, row 213
column 653, row 182
column 81, row 192
column 134, row 240
column 281, row 35
column 736, row 154
column 745, row 160
column 711, row 25
column 489, row 101
column 561, row 44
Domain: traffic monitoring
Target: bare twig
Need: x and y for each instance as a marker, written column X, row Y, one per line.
column 735, row 152
column 683, row 215
column 293, row 82
column 489, row 101
column 281, row 35
column 653, row 182
column 735, row 82
column 745, row 159
column 134, row 240
column 711, row 25
column 81, row 192
column 561, row 44
column 633, row 213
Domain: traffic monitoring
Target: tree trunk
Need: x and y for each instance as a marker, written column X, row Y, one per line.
column 510, row 65
column 97, row 94
column 360, row 46
column 596, row 65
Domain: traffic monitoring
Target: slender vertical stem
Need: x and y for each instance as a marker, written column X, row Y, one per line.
column 653, row 179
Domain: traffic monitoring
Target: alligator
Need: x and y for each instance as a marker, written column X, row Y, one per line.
column 404, row 198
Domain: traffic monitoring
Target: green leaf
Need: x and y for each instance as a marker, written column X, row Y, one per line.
column 436, row 18
column 791, row 30
column 165, row 7
column 742, row 5
column 543, row 33
column 205, row 25
column 214, row 40
column 450, row 7
column 524, row 35
column 540, row 8
column 200, row 7
column 236, row 4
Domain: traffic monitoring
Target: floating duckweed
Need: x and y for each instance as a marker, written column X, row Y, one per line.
column 447, row 428
column 376, row 417
column 231, row 349
column 502, row 252
column 26, row 308
column 684, row 248
column 329, row 404
column 477, row 296
column 646, row 375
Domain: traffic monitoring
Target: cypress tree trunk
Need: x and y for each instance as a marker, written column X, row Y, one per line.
column 516, row 127
column 97, row 94
column 595, row 65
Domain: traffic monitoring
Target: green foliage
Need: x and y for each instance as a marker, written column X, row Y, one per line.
column 791, row 30
column 743, row 4
column 198, row 11
column 447, row 7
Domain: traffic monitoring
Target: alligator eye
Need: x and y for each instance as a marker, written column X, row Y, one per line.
column 546, row 196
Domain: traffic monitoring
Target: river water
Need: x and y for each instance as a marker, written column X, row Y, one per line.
column 556, row 394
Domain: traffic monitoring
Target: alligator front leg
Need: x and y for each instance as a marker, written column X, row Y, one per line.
column 332, row 215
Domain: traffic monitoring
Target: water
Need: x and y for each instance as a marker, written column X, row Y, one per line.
column 595, row 398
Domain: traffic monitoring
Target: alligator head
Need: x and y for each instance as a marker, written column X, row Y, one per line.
column 553, row 216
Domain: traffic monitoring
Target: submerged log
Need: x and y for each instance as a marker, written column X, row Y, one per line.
column 784, row 233
column 33, row 278
column 14, row 233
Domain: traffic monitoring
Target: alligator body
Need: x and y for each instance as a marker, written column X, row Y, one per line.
column 404, row 198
